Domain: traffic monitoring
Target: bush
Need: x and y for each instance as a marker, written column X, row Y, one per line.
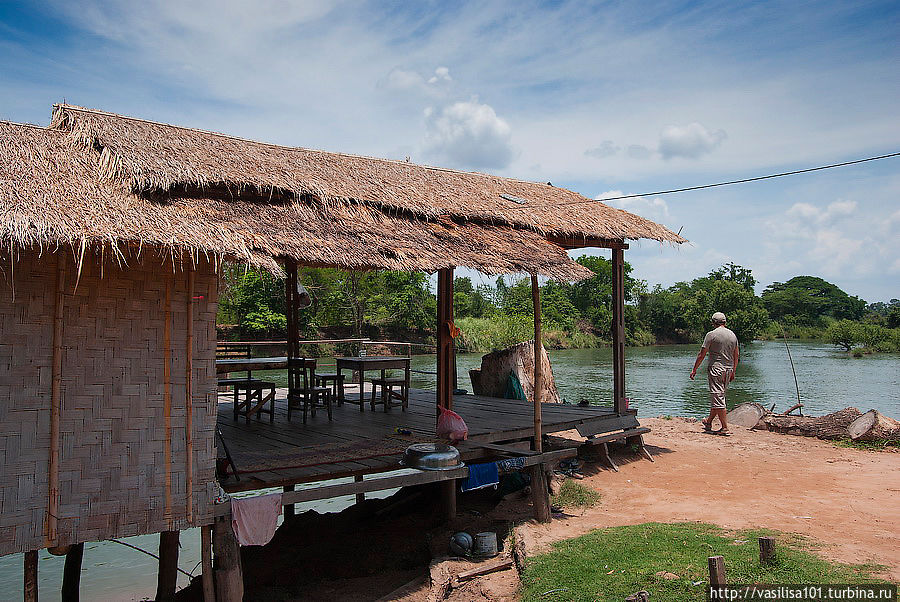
column 844, row 334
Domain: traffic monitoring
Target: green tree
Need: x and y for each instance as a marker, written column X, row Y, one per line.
column 843, row 333
column 808, row 299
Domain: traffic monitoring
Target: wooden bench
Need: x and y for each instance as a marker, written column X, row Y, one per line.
column 632, row 436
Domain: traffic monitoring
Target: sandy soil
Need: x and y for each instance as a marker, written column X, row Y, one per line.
column 846, row 499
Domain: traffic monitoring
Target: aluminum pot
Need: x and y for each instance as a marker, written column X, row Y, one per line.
column 432, row 456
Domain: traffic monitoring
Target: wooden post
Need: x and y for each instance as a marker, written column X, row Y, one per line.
column 31, row 576
column 289, row 508
column 538, row 363
column 290, row 294
column 167, row 400
column 72, row 573
column 55, row 405
column 360, row 497
column 209, row 586
column 227, row 562
column 448, row 500
column 618, row 329
column 716, row 571
column 540, row 495
column 189, row 401
column 167, row 578
column 445, row 347
column 766, row 549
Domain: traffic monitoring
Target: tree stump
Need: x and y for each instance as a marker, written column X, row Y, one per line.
column 873, row 426
column 830, row 426
column 492, row 378
column 747, row 414
column 716, row 570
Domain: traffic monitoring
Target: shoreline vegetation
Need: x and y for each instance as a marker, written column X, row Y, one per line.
column 401, row 306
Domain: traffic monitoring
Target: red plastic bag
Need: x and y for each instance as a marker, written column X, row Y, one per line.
column 450, row 425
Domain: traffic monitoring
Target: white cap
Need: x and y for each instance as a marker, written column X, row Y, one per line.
column 718, row 318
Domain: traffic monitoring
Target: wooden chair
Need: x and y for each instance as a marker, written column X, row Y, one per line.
column 302, row 390
column 394, row 392
column 252, row 396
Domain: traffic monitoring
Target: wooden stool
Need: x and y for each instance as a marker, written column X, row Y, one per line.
column 335, row 382
column 251, row 397
column 388, row 394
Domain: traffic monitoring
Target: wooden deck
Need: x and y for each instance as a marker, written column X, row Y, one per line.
column 357, row 443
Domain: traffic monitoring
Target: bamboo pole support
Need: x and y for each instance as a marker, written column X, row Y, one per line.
column 540, row 495
column 30, row 581
column 716, row 571
column 209, row 586
column 167, row 398
column 167, row 578
column 189, row 400
column 618, row 329
column 71, row 583
column 445, row 347
column 288, row 508
column 360, row 497
column 55, row 404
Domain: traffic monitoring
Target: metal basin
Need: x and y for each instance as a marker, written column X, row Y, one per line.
column 432, row 456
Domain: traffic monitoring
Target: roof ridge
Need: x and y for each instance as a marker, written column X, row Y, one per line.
column 27, row 125
column 302, row 148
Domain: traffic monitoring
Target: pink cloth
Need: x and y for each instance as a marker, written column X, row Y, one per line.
column 255, row 519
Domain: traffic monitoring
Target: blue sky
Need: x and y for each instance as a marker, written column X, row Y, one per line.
column 603, row 98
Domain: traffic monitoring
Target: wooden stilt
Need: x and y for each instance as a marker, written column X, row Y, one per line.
column 209, row 587
column 618, row 329
column 227, row 562
column 360, row 497
column 289, row 508
column 72, row 574
column 168, row 565
column 31, row 576
column 540, row 494
column 448, row 500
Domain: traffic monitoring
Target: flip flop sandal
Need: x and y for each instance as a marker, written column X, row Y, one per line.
column 724, row 433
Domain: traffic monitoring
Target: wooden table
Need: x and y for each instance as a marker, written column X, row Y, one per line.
column 371, row 362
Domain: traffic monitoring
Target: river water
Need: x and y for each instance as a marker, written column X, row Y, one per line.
column 657, row 382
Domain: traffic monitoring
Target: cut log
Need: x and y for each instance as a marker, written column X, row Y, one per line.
column 873, row 426
column 496, row 367
column 747, row 414
column 830, row 426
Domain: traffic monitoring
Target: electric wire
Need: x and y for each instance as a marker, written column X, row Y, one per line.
column 729, row 183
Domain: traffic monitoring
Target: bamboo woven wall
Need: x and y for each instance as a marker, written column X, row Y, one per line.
column 122, row 470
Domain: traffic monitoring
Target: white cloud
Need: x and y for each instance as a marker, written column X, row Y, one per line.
column 639, row 151
column 607, row 148
column 399, row 79
column 690, row 141
column 441, row 74
column 652, row 208
column 468, row 135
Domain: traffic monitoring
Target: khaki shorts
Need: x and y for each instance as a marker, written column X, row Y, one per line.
column 718, row 377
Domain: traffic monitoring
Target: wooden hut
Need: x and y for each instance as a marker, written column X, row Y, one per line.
column 112, row 231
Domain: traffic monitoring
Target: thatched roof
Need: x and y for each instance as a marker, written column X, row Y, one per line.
column 97, row 178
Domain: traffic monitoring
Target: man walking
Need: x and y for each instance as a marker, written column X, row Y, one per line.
column 722, row 346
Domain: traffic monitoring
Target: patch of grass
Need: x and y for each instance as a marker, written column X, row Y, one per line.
column 610, row 564
column 573, row 494
column 878, row 445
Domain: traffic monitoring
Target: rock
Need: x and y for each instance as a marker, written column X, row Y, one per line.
column 746, row 414
column 667, row 575
column 492, row 378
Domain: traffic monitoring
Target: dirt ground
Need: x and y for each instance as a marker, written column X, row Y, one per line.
column 846, row 499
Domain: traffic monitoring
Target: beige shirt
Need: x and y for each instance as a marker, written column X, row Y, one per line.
column 720, row 344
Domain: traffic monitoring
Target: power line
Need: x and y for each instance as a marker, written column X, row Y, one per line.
column 743, row 181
